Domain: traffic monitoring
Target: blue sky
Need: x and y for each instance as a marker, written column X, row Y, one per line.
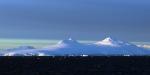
column 81, row 19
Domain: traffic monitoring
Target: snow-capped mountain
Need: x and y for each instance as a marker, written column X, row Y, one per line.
column 112, row 46
column 109, row 41
column 69, row 41
column 68, row 47
column 108, row 46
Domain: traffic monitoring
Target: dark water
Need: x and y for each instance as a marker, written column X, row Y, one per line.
column 75, row 65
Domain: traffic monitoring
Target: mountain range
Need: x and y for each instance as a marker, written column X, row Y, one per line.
column 70, row 47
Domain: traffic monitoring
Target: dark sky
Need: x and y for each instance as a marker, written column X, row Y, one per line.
column 81, row 19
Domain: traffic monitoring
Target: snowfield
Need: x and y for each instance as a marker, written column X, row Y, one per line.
column 107, row 47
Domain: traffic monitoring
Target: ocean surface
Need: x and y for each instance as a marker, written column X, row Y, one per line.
column 12, row 43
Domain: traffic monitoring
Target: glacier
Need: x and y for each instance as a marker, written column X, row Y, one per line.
column 70, row 47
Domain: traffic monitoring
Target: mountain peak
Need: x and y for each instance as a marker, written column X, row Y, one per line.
column 68, row 41
column 70, row 38
column 110, row 41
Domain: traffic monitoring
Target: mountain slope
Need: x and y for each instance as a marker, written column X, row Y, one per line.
column 108, row 46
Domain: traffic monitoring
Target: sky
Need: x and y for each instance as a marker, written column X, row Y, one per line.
column 80, row 19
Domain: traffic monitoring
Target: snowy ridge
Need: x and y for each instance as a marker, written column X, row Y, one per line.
column 69, row 42
column 109, row 41
column 108, row 46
